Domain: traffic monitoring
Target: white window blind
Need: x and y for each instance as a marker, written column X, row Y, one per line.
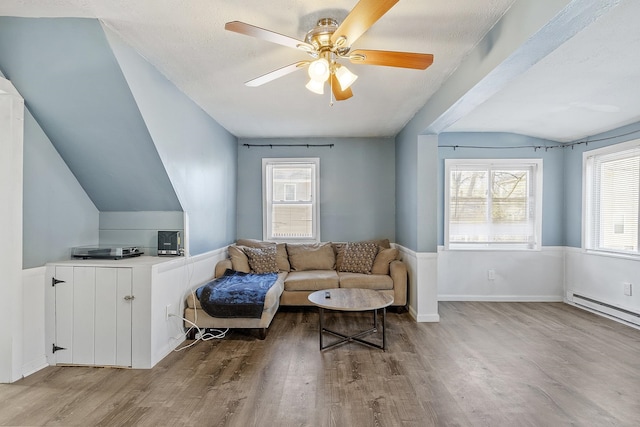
column 612, row 195
column 493, row 204
column 291, row 210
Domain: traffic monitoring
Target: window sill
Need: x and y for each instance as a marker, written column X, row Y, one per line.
column 498, row 247
column 618, row 255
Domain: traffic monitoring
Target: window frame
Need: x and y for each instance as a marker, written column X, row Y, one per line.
column 591, row 242
column 487, row 164
column 267, row 199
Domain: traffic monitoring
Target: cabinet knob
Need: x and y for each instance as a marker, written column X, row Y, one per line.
column 129, row 297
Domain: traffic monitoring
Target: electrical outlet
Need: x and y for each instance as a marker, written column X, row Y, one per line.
column 491, row 274
column 167, row 311
column 628, row 289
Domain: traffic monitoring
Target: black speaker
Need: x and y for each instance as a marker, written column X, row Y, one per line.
column 169, row 243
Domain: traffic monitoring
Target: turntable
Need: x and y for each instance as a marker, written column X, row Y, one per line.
column 105, row 252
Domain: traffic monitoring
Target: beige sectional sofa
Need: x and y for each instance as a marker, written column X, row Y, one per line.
column 304, row 268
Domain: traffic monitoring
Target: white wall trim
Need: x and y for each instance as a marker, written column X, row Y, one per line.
column 601, row 277
column 11, row 225
column 33, row 323
column 423, row 285
column 502, row 298
column 494, row 275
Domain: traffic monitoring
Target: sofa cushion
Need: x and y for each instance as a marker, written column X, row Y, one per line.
column 262, row 260
column 281, row 251
column 365, row 281
column 383, row 259
column 311, row 280
column 358, row 257
column 311, row 256
column 239, row 260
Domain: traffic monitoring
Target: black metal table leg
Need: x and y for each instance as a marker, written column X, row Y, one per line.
column 356, row 337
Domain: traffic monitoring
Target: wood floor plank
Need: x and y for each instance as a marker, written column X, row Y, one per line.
column 493, row 364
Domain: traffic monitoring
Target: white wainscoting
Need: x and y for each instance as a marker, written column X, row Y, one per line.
column 501, row 275
column 601, row 278
column 423, row 285
column 172, row 282
column 33, row 329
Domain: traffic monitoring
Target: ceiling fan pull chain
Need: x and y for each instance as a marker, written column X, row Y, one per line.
column 330, row 91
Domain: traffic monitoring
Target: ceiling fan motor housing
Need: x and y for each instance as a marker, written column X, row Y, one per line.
column 320, row 37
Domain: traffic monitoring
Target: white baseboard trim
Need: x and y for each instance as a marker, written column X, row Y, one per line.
column 428, row 318
column 423, row 318
column 34, row 366
column 502, row 298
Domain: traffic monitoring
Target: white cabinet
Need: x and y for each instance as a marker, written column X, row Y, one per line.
column 93, row 315
column 123, row 312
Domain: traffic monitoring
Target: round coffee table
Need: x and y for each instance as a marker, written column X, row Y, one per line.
column 347, row 299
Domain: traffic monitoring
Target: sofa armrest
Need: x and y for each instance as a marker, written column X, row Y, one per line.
column 398, row 272
column 223, row 266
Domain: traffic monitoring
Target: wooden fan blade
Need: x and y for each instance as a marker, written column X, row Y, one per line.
column 275, row 74
column 417, row 61
column 360, row 19
column 270, row 36
column 338, row 93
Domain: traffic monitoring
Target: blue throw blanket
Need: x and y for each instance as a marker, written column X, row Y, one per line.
column 236, row 294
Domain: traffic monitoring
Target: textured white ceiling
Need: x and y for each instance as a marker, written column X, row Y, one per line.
column 585, row 86
column 187, row 42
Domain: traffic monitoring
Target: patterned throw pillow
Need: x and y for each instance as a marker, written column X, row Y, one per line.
column 358, row 257
column 262, row 260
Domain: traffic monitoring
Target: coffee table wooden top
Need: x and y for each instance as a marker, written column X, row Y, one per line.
column 348, row 299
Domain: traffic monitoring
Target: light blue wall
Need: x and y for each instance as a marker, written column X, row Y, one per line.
column 57, row 213
column 199, row 155
column 553, row 177
column 416, row 191
column 73, row 86
column 406, row 189
column 357, row 186
column 573, row 177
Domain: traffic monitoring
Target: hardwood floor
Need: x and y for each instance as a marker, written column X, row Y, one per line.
column 484, row 364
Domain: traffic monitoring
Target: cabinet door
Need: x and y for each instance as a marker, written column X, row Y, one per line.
column 93, row 315
column 113, row 317
column 84, row 290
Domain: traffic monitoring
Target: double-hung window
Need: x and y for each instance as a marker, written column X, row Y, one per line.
column 493, row 203
column 611, row 178
column 291, row 210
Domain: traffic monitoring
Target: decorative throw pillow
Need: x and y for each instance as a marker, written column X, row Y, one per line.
column 282, row 257
column 262, row 260
column 239, row 260
column 383, row 260
column 358, row 257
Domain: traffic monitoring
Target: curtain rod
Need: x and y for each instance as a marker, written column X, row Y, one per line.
column 288, row 145
column 541, row 147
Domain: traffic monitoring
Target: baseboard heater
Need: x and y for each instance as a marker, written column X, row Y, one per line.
column 607, row 309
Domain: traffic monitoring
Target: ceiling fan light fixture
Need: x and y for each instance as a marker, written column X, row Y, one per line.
column 315, row 86
column 345, row 77
column 319, row 70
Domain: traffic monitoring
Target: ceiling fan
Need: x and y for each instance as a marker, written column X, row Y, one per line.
column 328, row 43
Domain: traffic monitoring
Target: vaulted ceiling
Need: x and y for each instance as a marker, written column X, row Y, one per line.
column 573, row 77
